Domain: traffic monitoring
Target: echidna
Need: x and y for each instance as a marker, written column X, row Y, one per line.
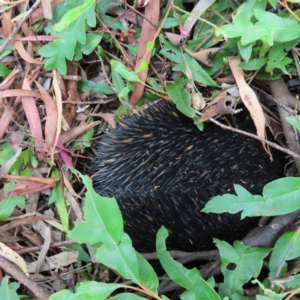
column 162, row 170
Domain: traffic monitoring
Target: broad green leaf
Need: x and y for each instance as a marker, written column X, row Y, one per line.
column 283, row 63
column 103, row 218
column 124, row 256
column 276, row 55
column 150, row 45
column 254, row 64
column 117, row 81
column 289, row 243
column 197, row 287
column 294, row 121
column 142, row 67
column 8, row 290
column 93, row 87
column 180, row 96
column 87, row 291
column 8, row 204
column 6, row 151
column 127, row 296
column 279, row 197
column 247, row 263
column 8, row 49
column 92, row 41
column 245, row 51
column 103, row 5
column 72, row 15
column 122, row 70
column 239, row 27
column 4, row 71
column 147, row 275
column 84, row 140
column 61, row 203
column 174, row 54
column 57, row 53
column 274, row 27
column 104, row 224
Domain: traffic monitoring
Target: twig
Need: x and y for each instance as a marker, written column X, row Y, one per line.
column 54, row 245
column 254, row 136
column 16, row 30
column 39, row 291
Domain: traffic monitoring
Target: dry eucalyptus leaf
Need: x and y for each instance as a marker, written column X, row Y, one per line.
column 56, row 261
column 249, row 99
column 14, row 257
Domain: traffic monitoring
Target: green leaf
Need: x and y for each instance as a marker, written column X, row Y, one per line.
column 104, row 224
column 253, row 65
column 174, row 54
column 4, row 71
column 92, row 41
column 197, row 288
column 294, row 121
column 93, row 87
column 282, row 65
column 103, row 5
column 8, row 204
column 6, row 152
column 104, row 219
column 117, row 81
column 181, row 97
column 8, row 290
column 289, row 243
column 150, row 45
column 87, row 291
column 245, row 50
column 279, row 197
column 124, row 94
column 73, row 15
column 151, row 81
column 276, row 55
column 146, row 273
column 273, row 27
column 127, row 296
column 125, row 257
column 58, row 198
column 57, row 53
column 247, row 263
column 8, row 49
column 142, row 67
column 84, row 140
column 239, row 27
column 123, row 71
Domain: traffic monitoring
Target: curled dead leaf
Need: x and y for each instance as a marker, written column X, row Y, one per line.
column 227, row 105
column 203, row 55
column 210, row 112
column 176, row 39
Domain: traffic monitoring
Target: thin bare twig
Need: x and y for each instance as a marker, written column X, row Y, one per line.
column 16, row 30
column 17, row 274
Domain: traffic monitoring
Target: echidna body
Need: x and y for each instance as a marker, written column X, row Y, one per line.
column 162, row 171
